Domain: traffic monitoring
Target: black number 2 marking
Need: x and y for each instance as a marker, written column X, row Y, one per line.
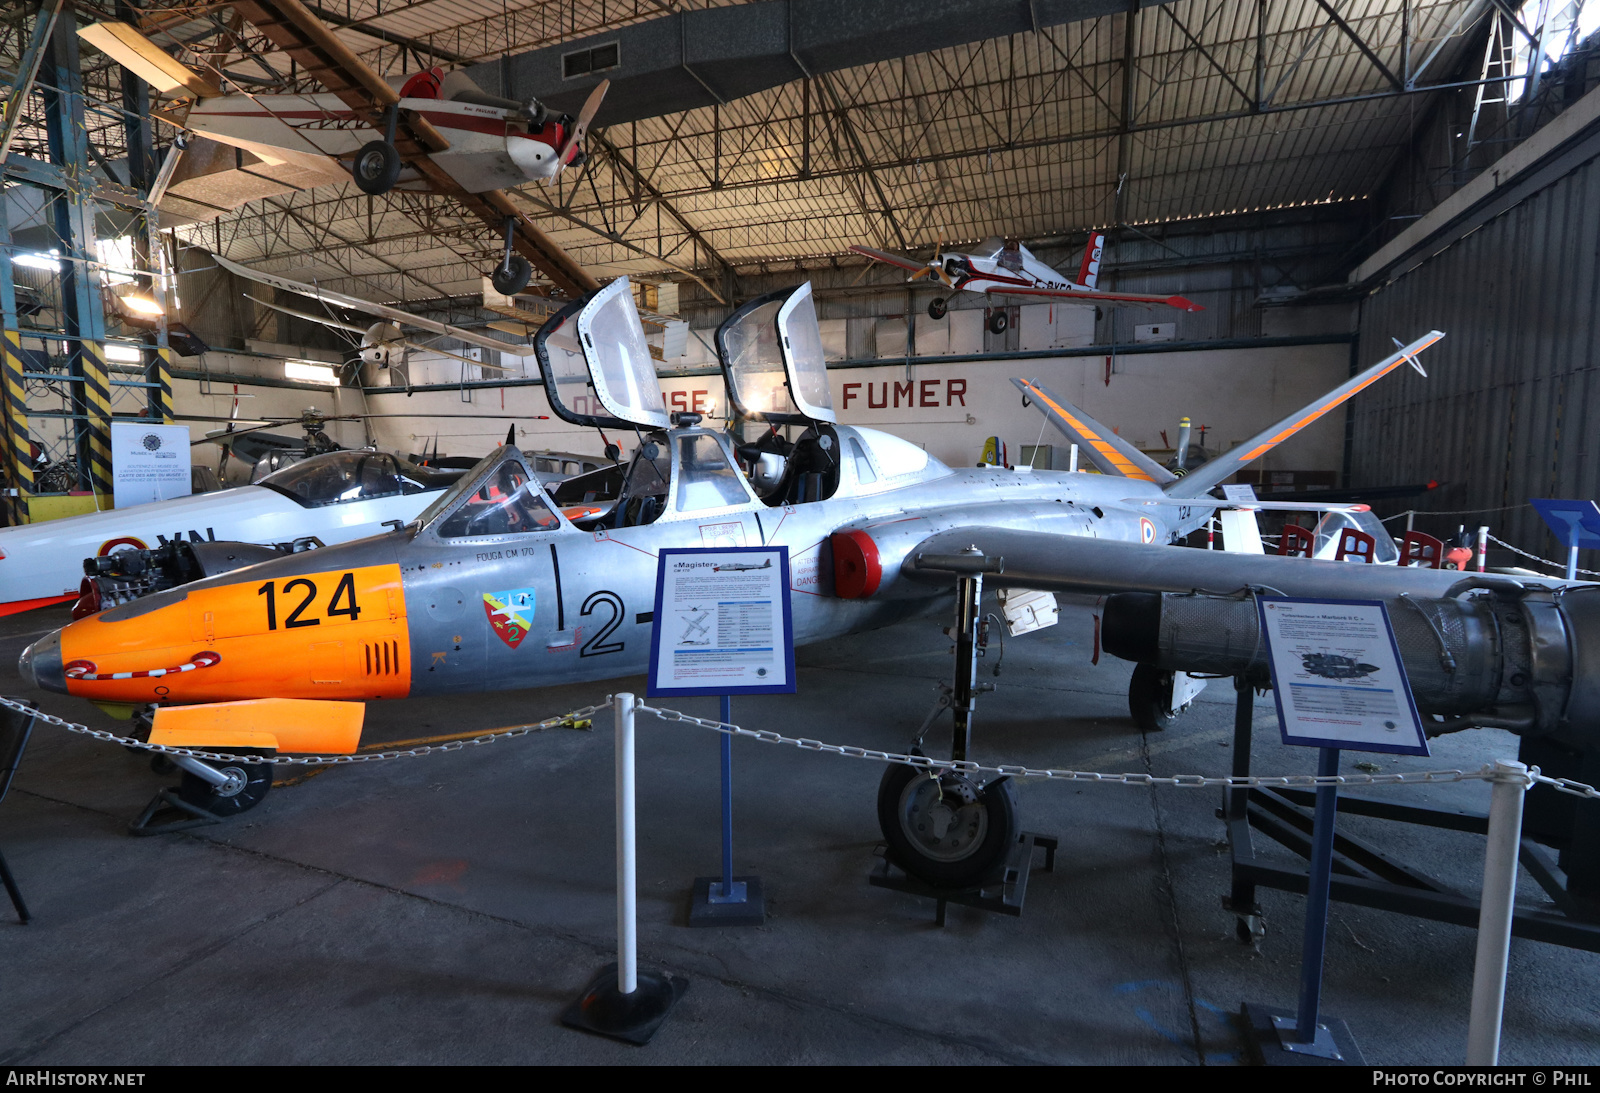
column 343, row 601
column 596, row 645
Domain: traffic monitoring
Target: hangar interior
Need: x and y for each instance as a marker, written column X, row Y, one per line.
column 1322, row 180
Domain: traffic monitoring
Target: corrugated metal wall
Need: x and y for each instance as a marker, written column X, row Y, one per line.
column 1508, row 410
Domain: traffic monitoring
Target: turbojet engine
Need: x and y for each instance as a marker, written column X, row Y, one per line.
column 1491, row 652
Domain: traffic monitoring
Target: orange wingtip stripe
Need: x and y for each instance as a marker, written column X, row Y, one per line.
column 1286, row 433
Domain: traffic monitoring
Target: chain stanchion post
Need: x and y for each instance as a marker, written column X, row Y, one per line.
column 1483, row 548
column 620, row 1002
column 1496, row 906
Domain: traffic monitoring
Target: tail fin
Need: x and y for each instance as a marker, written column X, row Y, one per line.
column 1089, row 271
column 1105, row 449
column 146, row 60
column 1200, row 480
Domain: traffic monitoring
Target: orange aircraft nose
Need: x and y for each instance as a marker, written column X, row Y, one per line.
column 40, row 664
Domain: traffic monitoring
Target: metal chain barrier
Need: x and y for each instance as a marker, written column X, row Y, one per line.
column 1448, row 512
column 570, row 720
column 766, row 736
column 1281, row 781
column 1543, row 561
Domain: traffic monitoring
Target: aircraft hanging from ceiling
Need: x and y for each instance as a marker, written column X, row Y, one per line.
column 877, row 530
column 436, row 131
column 1002, row 267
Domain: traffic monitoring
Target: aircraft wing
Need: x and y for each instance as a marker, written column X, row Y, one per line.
column 356, row 303
column 1081, row 564
column 1106, row 450
column 890, row 257
column 293, row 28
column 1082, row 296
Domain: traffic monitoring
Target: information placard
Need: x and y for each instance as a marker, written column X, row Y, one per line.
column 1337, row 677
column 149, row 462
column 722, row 622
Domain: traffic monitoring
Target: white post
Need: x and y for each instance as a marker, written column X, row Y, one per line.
column 1483, row 549
column 1496, row 906
column 627, row 880
column 1072, row 462
column 1411, row 519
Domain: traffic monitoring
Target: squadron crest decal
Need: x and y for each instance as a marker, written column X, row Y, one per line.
column 510, row 613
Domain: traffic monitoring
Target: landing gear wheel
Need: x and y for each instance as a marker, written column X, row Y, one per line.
column 948, row 832
column 247, row 784
column 938, row 308
column 998, row 322
column 1150, row 697
column 377, row 167
column 1249, row 929
column 512, row 277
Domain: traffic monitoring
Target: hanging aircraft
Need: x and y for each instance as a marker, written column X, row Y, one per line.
column 436, row 131
column 877, row 530
column 1004, row 267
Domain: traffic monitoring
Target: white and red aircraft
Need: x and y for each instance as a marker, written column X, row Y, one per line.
column 434, row 130
column 1007, row 268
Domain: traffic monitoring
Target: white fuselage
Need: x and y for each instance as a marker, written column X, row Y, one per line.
column 489, row 150
column 39, row 561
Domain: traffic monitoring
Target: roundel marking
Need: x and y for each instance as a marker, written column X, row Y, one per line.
column 1147, row 530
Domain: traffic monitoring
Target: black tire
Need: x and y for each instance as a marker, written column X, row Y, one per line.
column 511, row 279
column 969, row 851
column 1149, row 692
column 998, row 322
column 938, row 308
column 377, row 167
column 255, row 779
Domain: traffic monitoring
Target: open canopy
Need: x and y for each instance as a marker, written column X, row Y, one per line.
column 771, row 354
column 598, row 345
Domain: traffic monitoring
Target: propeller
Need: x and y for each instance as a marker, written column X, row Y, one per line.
column 580, row 129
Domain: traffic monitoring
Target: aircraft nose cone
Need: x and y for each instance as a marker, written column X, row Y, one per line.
column 40, row 664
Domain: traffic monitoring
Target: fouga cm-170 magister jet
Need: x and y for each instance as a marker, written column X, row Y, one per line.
column 283, row 655
column 1004, row 267
column 433, row 130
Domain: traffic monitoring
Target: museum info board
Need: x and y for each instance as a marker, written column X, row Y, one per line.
column 149, row 462
column 1337, row 677
column 722, row 622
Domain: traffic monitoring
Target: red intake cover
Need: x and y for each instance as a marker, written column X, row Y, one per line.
column 856, row 569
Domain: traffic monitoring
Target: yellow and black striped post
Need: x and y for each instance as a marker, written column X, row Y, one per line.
column 161, row 394
column 14, row 410
column 97, row 404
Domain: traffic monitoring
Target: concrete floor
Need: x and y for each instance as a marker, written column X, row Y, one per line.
column 446, row 909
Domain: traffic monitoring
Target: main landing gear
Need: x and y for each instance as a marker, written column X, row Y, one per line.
column 377, row 165
column 514, row 271
column 945, row 828
column 938, row 307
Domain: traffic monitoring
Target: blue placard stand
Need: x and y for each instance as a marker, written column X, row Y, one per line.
column 759, row 579
column 1575, row 524
column 727, row 900
column 1335, row 696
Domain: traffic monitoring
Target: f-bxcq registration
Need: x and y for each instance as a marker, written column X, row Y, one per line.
column 494, row 586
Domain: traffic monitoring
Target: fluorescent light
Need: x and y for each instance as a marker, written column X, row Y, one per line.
column 127, row 354
column 311, row 372
column 51, row 261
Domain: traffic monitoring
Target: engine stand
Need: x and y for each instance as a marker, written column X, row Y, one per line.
column 1002, row 895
